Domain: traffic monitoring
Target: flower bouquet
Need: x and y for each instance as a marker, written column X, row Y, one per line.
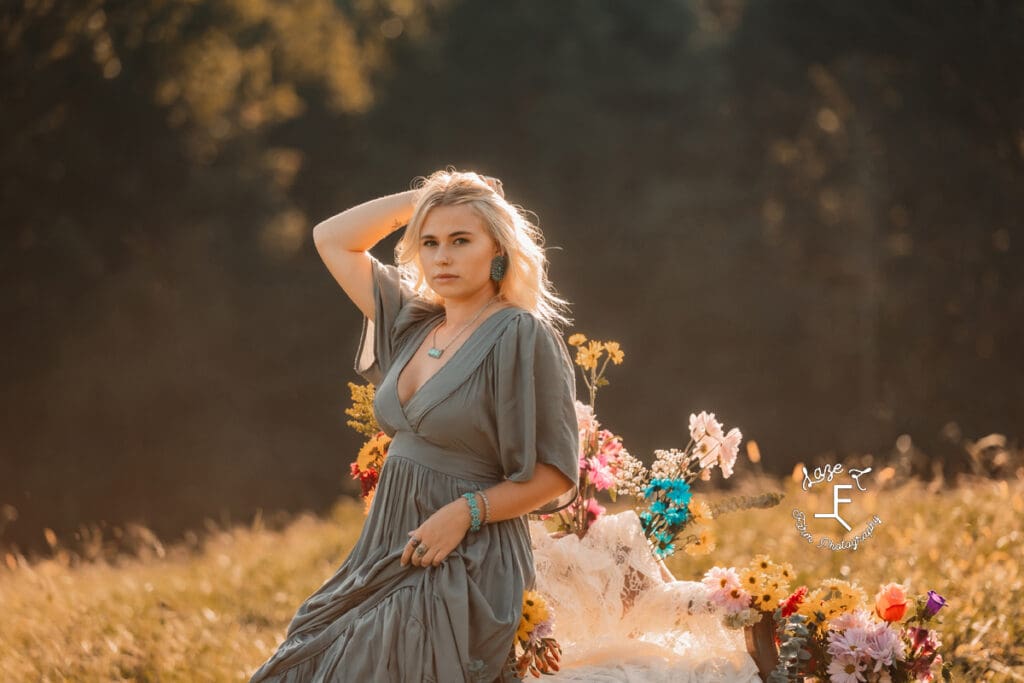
column 535, row 650
column 367, row 466
column 828, row 632
column 672, row 518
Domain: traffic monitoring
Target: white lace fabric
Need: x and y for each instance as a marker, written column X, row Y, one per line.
column 618, row 620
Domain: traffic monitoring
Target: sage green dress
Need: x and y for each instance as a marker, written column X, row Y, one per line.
column 501, row 403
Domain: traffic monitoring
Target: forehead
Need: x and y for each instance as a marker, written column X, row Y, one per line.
column 444, row 220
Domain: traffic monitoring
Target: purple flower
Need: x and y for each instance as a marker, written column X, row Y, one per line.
column 935, row 603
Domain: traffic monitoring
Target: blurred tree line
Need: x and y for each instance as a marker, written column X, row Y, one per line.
column 804, row 216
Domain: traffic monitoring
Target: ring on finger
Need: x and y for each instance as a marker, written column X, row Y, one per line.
column 421, row 551
column 414, row 541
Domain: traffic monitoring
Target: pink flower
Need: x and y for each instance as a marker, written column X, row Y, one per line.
column 734, row 600
column 852, row 643
column 594, row 509
column 610, row 447
column 884, row 645
column 600, row 477
column 923, row 641
column 857, row 619
column 725, row 590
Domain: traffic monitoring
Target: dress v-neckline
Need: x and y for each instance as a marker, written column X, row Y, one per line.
column 418, row 341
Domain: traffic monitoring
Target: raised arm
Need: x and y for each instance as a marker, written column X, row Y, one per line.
column 343, row 242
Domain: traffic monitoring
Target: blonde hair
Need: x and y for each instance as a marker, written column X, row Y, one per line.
column 525, row 283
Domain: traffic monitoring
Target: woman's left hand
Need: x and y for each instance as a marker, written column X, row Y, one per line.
column 440, row 534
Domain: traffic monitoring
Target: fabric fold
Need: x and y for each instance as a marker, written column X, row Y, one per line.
column 535, row 393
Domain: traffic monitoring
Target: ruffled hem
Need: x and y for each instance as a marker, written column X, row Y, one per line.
column 374, row 620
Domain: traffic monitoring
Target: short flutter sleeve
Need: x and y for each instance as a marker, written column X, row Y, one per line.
column 535, row 393
column 396, row 309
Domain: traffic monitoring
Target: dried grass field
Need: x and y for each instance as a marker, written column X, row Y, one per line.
column 215, row 608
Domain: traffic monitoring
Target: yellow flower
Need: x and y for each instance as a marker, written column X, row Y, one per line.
column 750, row 579
column 367, row 454
column 704, row 544
column 362, row 409
column 586, row 358
column 577, row 339
column 832, row 598
column 535, row 610
column 614, row 352
column 372, row 454
column 765, row 600
column 850, row 596
column 700, row 511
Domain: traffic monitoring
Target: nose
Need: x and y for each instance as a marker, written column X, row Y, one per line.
column 441, row 255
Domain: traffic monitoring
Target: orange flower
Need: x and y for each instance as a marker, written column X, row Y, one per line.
column 891, row 602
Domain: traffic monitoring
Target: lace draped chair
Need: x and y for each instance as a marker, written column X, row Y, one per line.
column 621, row 616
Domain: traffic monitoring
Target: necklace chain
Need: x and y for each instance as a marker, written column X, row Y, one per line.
column 435, row 352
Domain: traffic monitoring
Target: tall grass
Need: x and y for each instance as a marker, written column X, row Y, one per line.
column 217, row 611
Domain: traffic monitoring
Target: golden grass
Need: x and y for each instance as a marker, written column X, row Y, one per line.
column 963, row 542
column 217, row 613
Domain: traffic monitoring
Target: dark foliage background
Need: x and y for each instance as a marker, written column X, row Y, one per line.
column 803, row 216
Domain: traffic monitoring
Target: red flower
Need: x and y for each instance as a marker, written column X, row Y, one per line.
column 367, row 479
column 790, row 604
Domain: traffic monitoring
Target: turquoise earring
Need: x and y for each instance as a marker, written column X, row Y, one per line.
column 498, row 265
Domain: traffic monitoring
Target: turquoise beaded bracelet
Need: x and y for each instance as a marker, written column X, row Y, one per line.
column 474, row 511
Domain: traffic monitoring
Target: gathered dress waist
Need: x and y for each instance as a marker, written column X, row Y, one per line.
column 456, row 463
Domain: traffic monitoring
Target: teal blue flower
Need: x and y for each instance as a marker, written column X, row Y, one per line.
column 679, row 492
column 677, row 516
column 664, row 551
column 658, row 507
column 655, row 486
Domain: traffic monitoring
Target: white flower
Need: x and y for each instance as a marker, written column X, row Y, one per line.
column 708, row 449
column 668, row 464
column 721, row 578
column 728, row 450
column 704, row 425
column 585, row 418
column 631, row 476
column 846, row 669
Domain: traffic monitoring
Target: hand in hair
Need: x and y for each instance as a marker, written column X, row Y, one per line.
column 494, row 184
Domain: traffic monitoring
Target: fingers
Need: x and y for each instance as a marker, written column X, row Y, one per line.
column 429, row 557
column 495, row 184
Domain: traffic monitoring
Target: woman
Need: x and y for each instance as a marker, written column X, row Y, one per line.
column 476, row 388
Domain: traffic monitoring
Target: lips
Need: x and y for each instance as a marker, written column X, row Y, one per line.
column 445, row 278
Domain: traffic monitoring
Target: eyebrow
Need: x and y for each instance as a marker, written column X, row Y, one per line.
column 457, row 233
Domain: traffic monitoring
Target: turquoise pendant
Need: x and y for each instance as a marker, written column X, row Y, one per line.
column 435, row 353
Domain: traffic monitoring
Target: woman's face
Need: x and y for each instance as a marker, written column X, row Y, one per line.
column 454, row 241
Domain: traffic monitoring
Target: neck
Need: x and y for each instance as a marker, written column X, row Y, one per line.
column 458, row 312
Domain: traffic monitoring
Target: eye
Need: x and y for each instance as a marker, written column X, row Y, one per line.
column 428, row 243
column 462, row 239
